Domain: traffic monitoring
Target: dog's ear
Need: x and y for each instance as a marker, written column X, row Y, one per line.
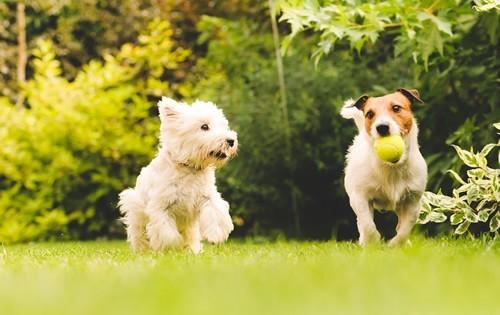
column 411, row 94
column 360, row 102
column 168, row 107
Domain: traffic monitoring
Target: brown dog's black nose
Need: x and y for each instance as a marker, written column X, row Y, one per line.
column 230, row 142
column 383, row 130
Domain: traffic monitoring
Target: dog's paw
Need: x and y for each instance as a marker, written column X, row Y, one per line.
column 195, row 247
column 139, row 245
column 369, row 237
column 217, row 233
column 216, row 236
column 399, row 241
column 217, row 228
column 162, row 237
column 215, row 222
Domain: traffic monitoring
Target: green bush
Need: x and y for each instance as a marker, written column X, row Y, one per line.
column 77, row 143
column 477, row 198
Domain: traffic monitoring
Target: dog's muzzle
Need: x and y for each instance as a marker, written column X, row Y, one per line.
column 218, row 155
column 383, row 130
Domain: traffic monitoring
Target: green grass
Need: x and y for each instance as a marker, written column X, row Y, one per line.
column 430, row 277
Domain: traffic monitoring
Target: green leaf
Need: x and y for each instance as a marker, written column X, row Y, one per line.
column 437, row 217
column 486, row 150
column 338, row 30
column 472, row 194
column 471, row 217
column 467, row 157
column 430, row 40
column 477, row 173
column 495, row 184
column 457, row 218
column 464, row 188
column 441, row 24
column 456, row 177
column 481, row 204
column 423, row 217
column 432, row 198
column 426, row 207
column 483, row 215
column 462, row 228
column 495, row 222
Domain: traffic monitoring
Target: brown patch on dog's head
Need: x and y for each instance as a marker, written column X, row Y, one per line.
column 396, row 105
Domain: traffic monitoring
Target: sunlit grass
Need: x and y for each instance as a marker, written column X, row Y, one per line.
column 430, row 277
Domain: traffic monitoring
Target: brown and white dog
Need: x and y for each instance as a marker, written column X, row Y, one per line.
column 375, row 184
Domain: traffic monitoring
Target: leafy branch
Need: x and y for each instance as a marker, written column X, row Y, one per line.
column 477, row 198
column 420, row 30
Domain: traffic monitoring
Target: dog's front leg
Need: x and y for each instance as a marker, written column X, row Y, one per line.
column 368, row 233
column 162, row 229
column 407, row 217
column 215, row 222
column 192, row 237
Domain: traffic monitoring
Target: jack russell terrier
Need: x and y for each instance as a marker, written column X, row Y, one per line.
column 375, row 184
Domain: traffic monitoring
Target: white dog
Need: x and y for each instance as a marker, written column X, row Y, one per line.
column 375, row 184
column 175, row 201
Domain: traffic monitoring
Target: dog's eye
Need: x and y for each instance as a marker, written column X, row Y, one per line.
column 396, row 108
column 205, row 127
column 370, row 115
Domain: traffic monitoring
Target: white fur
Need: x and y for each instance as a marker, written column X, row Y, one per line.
column 175, row 201
column 374, row 184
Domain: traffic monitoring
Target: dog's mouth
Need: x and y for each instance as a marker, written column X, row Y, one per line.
column 218, row 155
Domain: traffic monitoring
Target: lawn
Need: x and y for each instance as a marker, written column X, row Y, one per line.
column 433, row 276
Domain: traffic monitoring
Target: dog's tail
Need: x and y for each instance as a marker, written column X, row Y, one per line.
column 132, row 208
column 130, row 201
column 349, row 111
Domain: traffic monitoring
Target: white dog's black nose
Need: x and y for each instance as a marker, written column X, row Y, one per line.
column 230, row 142
column 383, row 130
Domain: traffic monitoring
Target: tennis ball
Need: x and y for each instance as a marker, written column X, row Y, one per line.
column 389, row 148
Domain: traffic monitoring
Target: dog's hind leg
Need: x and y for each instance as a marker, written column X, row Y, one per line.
column 132, row 207
column 368, row 233
column 407, row 217
column 136, row 230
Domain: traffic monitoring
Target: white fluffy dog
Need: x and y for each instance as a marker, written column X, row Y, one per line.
column 375, row 184
column 175, row 201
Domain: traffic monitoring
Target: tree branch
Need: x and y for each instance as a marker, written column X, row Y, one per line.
column 21, row 50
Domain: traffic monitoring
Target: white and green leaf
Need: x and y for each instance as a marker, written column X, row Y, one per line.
column 462, row 228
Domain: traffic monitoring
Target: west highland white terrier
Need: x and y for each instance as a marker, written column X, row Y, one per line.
column 175, row 201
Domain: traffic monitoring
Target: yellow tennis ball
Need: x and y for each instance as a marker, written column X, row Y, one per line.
column 390, row 148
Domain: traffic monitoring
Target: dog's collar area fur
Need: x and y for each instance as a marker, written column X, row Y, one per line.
column 190, row 167
column 183, row 165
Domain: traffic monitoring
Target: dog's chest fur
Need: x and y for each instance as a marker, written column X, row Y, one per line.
column 388, row 185
column 383, row 185
column 182, row 190
column 191, row 193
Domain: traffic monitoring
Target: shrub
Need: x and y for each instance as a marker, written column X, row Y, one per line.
column 475, row 200
column 66, row 155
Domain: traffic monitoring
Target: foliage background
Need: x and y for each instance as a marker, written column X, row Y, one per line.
column 87, row 121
